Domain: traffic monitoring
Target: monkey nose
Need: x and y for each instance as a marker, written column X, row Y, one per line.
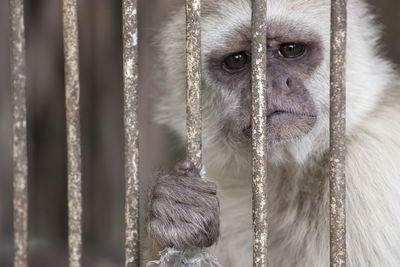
column 280, row 82
column 283, row 84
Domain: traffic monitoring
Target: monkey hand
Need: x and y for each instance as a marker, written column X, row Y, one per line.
column 184, row 209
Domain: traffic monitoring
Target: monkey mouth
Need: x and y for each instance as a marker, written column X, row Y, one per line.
column 286, row 114
column 286, row 126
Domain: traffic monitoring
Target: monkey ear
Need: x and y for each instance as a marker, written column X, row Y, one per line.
column 186, row 168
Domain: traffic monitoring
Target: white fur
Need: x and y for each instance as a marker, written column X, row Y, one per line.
column 297, row 171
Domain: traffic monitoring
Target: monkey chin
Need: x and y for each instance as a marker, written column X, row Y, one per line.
column 286, row 127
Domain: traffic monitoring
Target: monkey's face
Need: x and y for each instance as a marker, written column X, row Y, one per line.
column 292, row 60
column 295, row 53
column 297, row 75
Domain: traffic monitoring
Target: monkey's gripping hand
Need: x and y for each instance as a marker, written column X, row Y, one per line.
column 184, row 209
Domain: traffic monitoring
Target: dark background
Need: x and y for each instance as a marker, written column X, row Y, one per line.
column 102, row 124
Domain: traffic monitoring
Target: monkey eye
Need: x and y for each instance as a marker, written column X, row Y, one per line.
column 236, row 61
column 292, row 50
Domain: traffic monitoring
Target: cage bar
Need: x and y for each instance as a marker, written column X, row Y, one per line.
column 259, row 131
column 131, row 124
column 337, row 134
column 20, row 154
column 71, row 57
column 193, row 81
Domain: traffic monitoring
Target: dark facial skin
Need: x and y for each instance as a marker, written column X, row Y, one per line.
column 292, row 59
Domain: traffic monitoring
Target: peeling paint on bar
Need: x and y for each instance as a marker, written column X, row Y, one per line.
column 259, row 131
column 131, row 124
column 337, row 135
column 71, row 57
column 193, row 81
column 20, row 154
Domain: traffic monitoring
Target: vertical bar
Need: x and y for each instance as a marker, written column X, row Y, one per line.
column 71, row 56
column 193, row 81
column 20, row 157
column 337, row 134
column 131, row 124
column 259, row 131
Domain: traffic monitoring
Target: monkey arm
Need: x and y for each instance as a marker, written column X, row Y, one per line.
column 184, row 209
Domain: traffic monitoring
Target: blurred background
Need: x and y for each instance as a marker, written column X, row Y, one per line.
column 101, row 124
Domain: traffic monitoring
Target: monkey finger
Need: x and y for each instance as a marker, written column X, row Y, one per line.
column 194, row 183
column 183, row 213
column 181, row 235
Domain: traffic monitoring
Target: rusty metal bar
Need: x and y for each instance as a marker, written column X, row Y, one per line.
column 259, row 131
column 20, row 154
column 71, row 57
column 131, row 123
column 337, row 134
column 193, row 81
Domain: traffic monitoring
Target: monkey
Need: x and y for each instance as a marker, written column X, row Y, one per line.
column 187, row 211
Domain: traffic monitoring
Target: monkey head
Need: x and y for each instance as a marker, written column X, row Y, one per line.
column 298, row 73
